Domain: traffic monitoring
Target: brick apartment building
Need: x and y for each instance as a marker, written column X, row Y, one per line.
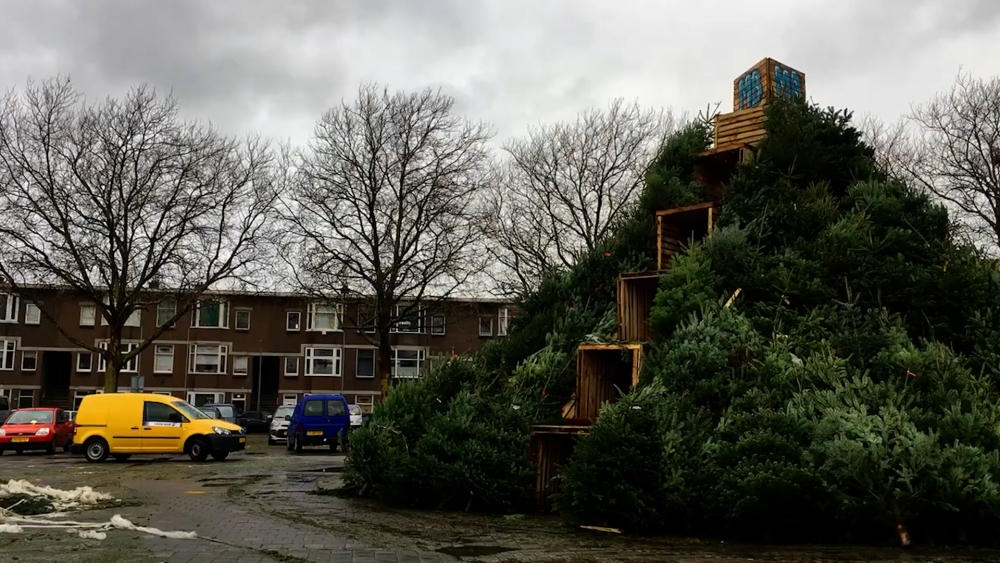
column 256, row 351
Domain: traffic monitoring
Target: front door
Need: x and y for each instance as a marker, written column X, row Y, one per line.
column 61, row 428
column 162, row 428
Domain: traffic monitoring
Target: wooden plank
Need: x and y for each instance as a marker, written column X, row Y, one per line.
column 659, row 238
column 599, row 347
column 685, row 208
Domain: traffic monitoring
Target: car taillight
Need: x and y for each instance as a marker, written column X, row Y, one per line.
column 299, row 428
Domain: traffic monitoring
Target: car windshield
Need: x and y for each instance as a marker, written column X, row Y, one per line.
column 355, row 409
column 284, row 411
column 188, row 410
column 30, row 417
column 227, row 412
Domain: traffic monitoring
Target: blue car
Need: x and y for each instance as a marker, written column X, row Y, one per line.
column 319, row 420
column 224, row 411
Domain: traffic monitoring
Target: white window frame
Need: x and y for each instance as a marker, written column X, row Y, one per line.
column 92, row 307
column 293, row 397
column 421, row 360
column 246, row 365
column 25, row 353
column 131, row 366
column 488, row 333
column 366, row 402
column 503, row 320
column 421, row 315
column 90, row 361
column 335, row 309
column 32, row 314
column 337, row 358
column 366, row 314
column 285, row 366
column 9, row 313
column 433, row 327
column 160, row 308
column 8, row 349
column 30, row 394
column 357, row 359
column 134, row 319
column 223, row 314
column 222, row 355
column 236, row 318
column 288, row 321
column 216, row 397
column 158, row 352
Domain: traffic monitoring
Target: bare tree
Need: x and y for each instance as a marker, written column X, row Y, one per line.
column 893, row 144
column 123, row 204
column 564, row 186
column 384, row 208
column 957, row 153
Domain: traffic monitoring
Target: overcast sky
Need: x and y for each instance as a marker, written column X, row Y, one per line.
column 274, row 66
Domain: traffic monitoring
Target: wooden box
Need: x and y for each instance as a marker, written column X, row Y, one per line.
column 675, row 228
column 636, row 293
column 739, row 129
column 550, row 448
column 603, row 373
column 766, row 81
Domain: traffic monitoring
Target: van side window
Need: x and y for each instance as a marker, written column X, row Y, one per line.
column 335, row 407
column 161, row 413
column 313, row 408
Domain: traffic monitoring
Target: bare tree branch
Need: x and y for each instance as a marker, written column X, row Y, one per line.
column 386, row 205
column 564, row 187
column 111, row 200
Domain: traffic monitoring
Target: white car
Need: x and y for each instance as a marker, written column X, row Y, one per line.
column 356, row 416
column 278, row 433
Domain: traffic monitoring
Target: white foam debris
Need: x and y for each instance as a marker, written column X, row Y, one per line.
column 10, row 529
column 93, row 535
column 60, row 499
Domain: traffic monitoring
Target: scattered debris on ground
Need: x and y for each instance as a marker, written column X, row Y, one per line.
column 57, row 499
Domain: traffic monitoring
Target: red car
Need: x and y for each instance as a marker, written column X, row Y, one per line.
column 36, row 429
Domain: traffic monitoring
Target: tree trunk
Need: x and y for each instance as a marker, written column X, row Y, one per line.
column 111, row 363
column 111, row 378
column 384, row 352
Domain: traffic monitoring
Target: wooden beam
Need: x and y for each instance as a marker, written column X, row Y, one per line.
column 685, row 209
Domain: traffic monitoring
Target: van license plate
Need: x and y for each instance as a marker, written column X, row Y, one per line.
column 18, row 439
column 314, row 433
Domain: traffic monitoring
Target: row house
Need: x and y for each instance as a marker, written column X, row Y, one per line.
column 256, row 351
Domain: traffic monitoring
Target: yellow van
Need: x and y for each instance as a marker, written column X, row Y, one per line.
column 122, row 424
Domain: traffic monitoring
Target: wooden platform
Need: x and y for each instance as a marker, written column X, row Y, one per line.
column 676, row 227
column 550, row 448
column 603, row 373
column 739, row 128
column 636, row 293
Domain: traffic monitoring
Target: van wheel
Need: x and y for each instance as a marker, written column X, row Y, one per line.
column 198, row 450
column 298, row 445
column 95, row 450
column 220, row 456
column 290, row 442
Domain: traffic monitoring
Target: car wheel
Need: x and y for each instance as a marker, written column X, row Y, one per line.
column 198, row 450
column 289, row 442
column 271, row 442
column 220, row 456
column 50, row 448
column 19, row 451
column 95, row 450
column 122, row 457
column 298, row 445
column 333, row 446
column 68, row 445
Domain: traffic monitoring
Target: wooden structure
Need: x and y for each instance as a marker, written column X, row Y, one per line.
column 551, row 447
column 636, row 293
column 676, row 227
column 603, row 373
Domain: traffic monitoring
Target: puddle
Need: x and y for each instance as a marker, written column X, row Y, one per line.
column 473, row 550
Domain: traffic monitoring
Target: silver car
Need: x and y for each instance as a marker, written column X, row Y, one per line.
column 278, row 433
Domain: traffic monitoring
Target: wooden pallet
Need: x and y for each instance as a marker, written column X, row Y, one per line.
column 675, row 227
column 602, row 375
column 550, row 448
column 636, row 293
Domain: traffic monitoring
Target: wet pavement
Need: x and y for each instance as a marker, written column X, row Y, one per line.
column 268, row 505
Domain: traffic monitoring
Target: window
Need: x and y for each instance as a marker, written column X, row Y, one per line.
column 134, row 319
column 313, row 407
column 502, row 320
column 161, row 414
column 437, row 325
column 88, row 314
column 293, row 321
column 7, row 348
column 32, row 314
column 210, row 313
column 366, row 319
column 164, row 361
column 78, row 398
column 242, row 319
column 407, row 363
column 289, row 400
column 130, row 366
column 366, row 364
column 335, row 407
column 408, row 321
column 485, row 326
column 240, row 365
column 165, row 311
column 324, row 316
column 201, row 399
column 365, row 402
column 29, row 360
column 26, row 399
column 8, row 308
column 208, row 358
column 291, row 366
column 323, row 361
column 83, row 362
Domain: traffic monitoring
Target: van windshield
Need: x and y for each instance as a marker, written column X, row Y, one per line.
column 189, row 411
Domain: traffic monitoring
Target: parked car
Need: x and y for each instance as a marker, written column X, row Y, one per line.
column 40, row 428
column 226, row 410
column 254, row 421
column 4, row 408
column 356, row 416
column 319, row 420
column 279, row 424
column 123, row 424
